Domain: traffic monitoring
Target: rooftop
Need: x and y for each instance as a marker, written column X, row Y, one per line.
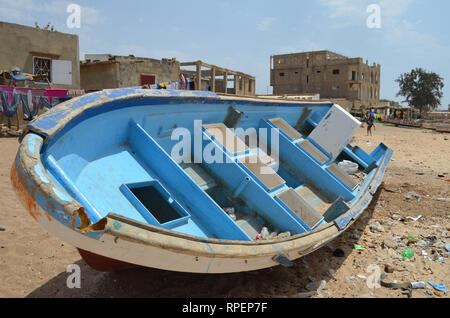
column 109, row 58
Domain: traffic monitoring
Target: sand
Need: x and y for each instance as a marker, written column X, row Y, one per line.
column 33, row 263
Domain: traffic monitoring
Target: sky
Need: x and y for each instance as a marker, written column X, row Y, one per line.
column 242, row 34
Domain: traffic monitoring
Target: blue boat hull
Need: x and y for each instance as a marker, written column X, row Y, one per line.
column 110, row 174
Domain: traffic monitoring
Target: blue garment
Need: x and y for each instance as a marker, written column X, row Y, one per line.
column 29, row 115
column 47, row 104
column 9, row 111
column 19, row 77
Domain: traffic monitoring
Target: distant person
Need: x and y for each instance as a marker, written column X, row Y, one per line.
column 373, row 116
column 370, row 125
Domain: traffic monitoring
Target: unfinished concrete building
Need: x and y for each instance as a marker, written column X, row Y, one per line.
column 331, row 75
column 208, row 77
column 103, row 71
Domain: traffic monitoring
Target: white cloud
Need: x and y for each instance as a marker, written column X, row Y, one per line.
column 265, row 23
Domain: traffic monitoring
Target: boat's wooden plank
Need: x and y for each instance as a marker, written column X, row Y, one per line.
column 250, row 226
column 265, row 158
column 286, row 128
column 343, row 176
column 200, row 177
column 298, row 163
column 313, row 151
column 298, row 205
column 314, row 199
column 264, row 173
column 226, row 137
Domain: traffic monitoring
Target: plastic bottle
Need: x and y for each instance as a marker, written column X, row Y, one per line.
column 418, row 285
column 265, row 232
column 408, row 253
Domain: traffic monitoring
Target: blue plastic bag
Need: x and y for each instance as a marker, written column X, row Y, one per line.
column 439, row 287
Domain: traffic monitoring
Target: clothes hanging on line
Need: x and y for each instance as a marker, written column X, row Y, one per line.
column 176, row 85
column 11, row 99
column 60, row 93
column 48, row 103
column 192, row 86
column 188, row 84
column 23, row 90
column 183, row 82
column 27, row 102
column 76, row 92
column 9, row 105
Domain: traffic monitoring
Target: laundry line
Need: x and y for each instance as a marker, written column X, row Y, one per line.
column 32, row 100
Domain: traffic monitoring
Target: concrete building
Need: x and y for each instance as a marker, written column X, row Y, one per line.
column 333, row 76
column 103, row 71
column 208, row 77
column 37, row 52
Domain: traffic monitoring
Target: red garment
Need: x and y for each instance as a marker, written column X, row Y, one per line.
column 56, row 92
column 183, row 82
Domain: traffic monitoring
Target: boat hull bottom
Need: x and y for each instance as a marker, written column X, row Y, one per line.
column 104, row 264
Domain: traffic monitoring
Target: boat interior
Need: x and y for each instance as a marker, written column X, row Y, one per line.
column 181, row 167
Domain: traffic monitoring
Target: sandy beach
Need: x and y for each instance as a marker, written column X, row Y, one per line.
column 33, row 263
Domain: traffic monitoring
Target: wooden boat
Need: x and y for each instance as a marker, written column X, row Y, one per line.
column 194, row 182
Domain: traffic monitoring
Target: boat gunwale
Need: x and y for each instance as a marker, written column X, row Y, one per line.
column 72, row 110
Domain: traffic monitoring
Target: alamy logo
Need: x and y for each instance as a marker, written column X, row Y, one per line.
column 74, row 279
column 373, row 280
column 74, row 19
column 374, row 19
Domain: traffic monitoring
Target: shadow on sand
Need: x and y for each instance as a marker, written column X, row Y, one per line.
column 152, row 283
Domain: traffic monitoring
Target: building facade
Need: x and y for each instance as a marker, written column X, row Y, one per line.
column 208, row 77
column 37, row 52
column 103, row 71
column 331, row 75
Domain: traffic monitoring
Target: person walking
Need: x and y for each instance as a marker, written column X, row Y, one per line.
column 370, row 125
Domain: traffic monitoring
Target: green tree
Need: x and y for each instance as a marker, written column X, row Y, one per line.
column 422, row 90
